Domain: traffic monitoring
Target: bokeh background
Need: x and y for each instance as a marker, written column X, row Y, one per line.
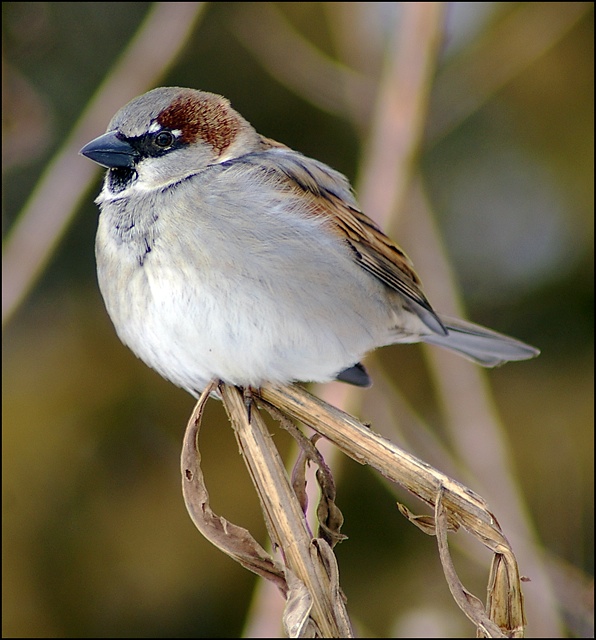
column 496, row 180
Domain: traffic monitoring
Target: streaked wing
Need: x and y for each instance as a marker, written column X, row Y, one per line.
column 330, row 197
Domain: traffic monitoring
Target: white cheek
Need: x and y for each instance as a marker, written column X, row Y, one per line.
column 154, row 173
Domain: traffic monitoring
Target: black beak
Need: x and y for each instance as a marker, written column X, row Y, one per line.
column 110, row 151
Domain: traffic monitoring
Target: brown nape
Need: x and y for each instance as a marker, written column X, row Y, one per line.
column 202, row 116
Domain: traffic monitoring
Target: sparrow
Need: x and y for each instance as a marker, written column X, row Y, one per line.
column 222, row 254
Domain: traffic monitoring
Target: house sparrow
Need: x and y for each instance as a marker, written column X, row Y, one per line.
column 224, row 254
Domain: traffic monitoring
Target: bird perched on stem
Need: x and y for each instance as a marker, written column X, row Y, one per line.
column 224, row 254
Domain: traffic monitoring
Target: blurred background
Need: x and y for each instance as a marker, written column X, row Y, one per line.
column 467, row 131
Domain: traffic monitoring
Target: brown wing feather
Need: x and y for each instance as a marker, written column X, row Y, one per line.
column 330, row 197
column 380, row 256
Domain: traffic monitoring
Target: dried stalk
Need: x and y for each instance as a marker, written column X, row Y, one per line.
column 315, row 605
column 309, row 580
column 463, row 506
column 307, row 559
column 231, row 539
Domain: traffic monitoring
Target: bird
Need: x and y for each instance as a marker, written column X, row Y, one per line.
column 225, row 255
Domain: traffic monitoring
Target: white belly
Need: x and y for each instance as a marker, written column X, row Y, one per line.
column 192, row 325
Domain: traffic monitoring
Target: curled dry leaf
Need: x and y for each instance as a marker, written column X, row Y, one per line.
column 236, row 541
column 315, row 602
column 426, row 523
column 296, row 619
column 467, row 602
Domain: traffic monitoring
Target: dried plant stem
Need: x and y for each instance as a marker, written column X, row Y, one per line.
column 231, row 539
column 400, row 111
column 365, row 446
column 462, row 505
column 287, row 523
column 315, row 605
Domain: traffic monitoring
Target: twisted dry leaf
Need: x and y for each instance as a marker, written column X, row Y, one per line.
column 233, row 540
column 464, row 507
column 315, row 604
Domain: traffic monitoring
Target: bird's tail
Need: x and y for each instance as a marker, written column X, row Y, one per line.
column 479, row 344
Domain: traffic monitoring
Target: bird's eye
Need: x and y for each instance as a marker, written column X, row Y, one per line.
column 164, row 139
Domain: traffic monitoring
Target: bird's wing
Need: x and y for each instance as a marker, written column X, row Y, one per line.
column 330, row 197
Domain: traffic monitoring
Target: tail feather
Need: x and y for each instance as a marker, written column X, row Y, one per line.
column 479, row 344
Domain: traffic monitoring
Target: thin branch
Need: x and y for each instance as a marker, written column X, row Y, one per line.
column 315, row 586
column 266, row 33
column 235, row 541
column 464, row 507
column 400, row 110
column 48, row 213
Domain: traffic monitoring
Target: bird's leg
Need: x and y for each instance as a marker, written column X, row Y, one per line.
column 248, row 395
